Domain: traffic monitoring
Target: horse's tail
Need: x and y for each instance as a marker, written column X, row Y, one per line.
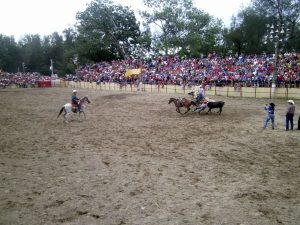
column 61, row 110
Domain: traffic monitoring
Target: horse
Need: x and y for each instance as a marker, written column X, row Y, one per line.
column 212, row 105
column 178, row 102
column 67, row 108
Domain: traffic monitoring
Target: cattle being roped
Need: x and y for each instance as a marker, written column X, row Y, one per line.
column 213, row 105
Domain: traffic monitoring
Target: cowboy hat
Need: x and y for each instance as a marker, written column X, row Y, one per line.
column 291, row 101
column 74, row 91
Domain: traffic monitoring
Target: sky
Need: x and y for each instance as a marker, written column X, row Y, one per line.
column 20, row 17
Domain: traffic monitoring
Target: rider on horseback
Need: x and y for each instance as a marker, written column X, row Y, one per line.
column 75, row 101
column 200, row 96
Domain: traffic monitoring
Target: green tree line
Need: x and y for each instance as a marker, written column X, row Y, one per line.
column 107, row 31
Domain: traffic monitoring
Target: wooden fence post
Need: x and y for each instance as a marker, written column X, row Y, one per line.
column 227, row 90
column 241, row 92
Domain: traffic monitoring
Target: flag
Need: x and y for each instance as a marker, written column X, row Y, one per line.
column 132, row 72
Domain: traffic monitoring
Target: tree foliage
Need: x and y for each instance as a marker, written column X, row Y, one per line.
column 247, row 31
column 180, row 27
column 106, row 31
column 9, row 54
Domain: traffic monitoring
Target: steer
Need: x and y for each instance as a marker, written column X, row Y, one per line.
column 212, row 105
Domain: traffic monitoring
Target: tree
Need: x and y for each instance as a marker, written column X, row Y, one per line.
column 181, row 28
column 247, row 31
column 204, row 33
column 56, row 53
column 32, row 53
column 9, row 54
column 106, row 31
column 168, row 18
column 285, row 13
column 70, row 57
column 235, row 39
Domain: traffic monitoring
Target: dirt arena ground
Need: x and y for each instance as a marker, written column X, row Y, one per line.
column 135, row 161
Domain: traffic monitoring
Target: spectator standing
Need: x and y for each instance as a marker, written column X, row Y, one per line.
column 271, row 115
column 290, row 115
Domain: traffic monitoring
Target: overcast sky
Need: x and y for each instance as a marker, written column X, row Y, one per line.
column 19, row 17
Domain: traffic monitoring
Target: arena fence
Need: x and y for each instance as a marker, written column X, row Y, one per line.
column 250, row 92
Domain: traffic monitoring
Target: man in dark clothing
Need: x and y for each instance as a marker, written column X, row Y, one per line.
column 290, row 114
column 75, row 101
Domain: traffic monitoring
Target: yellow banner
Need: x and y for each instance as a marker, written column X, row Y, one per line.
column 132, row 72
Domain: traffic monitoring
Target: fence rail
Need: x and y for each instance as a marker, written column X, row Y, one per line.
column 250, row 92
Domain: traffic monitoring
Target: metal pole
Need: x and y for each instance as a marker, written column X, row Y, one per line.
column 141, row 65
column 275, row 65
column 273, row 86
column 140, row 83
column 51, row 67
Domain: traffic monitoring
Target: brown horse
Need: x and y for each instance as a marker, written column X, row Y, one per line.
column 182, row 102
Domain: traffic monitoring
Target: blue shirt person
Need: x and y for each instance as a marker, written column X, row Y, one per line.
column 270, row 108
column 200, row 95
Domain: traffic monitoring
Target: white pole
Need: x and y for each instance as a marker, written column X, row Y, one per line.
column 51, row 67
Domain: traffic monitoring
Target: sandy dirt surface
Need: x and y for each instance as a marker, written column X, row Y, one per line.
column 136, row 161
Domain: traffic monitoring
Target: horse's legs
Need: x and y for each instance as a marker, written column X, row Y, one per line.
column 188, row 109
column 220, row 110
column 178, row 110
column 83, row 114
column 66, row 116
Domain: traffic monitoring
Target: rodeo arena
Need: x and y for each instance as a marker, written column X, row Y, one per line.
column 166, row 141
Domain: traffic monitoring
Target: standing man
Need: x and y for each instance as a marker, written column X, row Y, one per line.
column 290, row 114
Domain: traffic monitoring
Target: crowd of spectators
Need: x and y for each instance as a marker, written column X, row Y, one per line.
column 244, row 70
column 22, row 80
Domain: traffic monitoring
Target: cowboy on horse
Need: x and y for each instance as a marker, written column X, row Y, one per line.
column 199, row 98
column 75, row 102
